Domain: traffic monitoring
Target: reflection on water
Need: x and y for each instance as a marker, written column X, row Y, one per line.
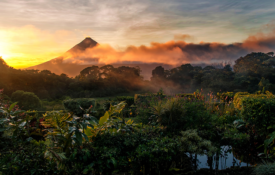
column 226, row 160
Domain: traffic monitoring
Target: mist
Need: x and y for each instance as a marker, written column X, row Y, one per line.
column 174, row 52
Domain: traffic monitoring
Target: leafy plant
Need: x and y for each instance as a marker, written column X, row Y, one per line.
column 26, row 100
column 68, row 132
column 77, row 106
column 11, row 122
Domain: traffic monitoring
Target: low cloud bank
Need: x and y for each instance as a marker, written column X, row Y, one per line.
column 174, row 52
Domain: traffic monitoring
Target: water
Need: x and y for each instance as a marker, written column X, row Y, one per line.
column 226, row 160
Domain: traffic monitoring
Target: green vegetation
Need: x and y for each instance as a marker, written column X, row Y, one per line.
column 157, row 136
column 26, row 100
column 147, row 133
column 250, row 73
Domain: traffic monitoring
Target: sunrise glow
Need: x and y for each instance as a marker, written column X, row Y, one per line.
column 41, row 31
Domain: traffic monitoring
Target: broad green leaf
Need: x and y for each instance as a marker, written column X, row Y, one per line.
column 88, row 132
column 268, row 141
column 12, row 106
column 104, row 119
column 78, row 137
column 92, row 119
column 117, row 108
column 85, row 136
column 2, row 120
column 114, row 161
column 22, row 124
column 72, row 129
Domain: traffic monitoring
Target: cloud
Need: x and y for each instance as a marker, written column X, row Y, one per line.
column 183, row 37
column 261, row 41
column 125, row 22
column 176, row 52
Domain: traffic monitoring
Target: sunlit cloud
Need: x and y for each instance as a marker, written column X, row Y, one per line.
column 175, row 52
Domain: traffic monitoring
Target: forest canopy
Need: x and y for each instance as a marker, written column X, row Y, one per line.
column 249, row 73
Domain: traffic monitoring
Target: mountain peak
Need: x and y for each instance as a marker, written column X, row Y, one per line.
column 88, row 42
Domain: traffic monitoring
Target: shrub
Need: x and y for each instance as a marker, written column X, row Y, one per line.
column 26, row 100
column 147, row 150
column 237, row 99
column 23, row 157
column 129, row 100
column 225, row 96
column 146, row 97
column 178, row 114
column 75, row 105
column 256, row 109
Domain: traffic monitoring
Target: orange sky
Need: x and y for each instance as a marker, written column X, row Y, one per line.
column 28, row 46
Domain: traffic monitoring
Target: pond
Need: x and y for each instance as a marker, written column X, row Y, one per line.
column 226, row 160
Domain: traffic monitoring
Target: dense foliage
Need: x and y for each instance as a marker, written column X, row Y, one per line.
column 26, row 100
column 249, row 73
column 253, row 72
column 91, row 82
column 153, row 133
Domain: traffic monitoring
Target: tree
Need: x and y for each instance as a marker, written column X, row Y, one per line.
column 264, row 84
column 26, row 100
column 270, row 53
column 3, row 64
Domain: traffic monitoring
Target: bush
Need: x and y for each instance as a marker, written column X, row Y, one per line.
column 75, row 105
column 256, row 109
column 237, row 99
column 26, row 100
column 129, row 100
column 179, row 114
column 23, row 157
column 147, row 150
column 147, row 97
column 225, row 96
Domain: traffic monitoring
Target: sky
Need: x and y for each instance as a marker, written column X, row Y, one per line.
column 35, row 31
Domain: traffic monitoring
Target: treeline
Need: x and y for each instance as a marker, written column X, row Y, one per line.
column 251, row 73
column 91, row 82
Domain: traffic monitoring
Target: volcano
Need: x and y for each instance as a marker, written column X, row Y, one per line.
column 73, row 52
column 59, row 65
column 72, row 61
column 83, row 45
